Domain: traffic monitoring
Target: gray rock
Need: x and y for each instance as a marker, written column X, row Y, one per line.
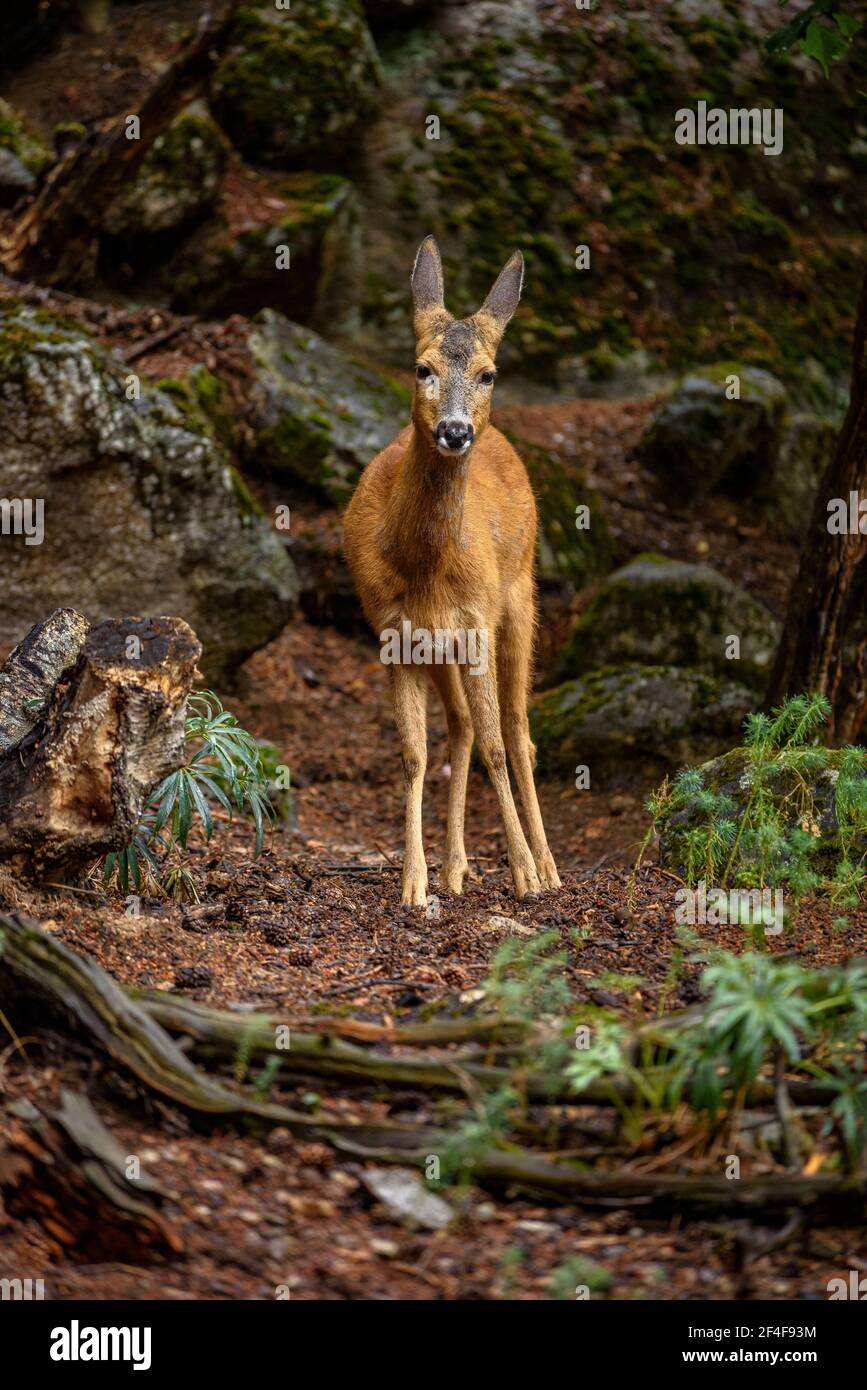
column 627, row 722
column 143, row 512
column 657, row 610
column 178, row 180
column 317, row 416
column 15, row 178
column 700, row 441
column 403, row 1193
column 805, row 451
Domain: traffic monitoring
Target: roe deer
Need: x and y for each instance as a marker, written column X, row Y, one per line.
column 440, row 536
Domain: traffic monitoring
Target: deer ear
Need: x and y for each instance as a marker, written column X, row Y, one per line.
column 427, row 278
column 503, row 299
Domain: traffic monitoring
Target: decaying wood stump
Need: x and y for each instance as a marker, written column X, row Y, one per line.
column 90, row 721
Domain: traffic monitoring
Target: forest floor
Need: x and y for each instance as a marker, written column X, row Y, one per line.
column 314, row 926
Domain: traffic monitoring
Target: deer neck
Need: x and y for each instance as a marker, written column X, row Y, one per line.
column 426, row 511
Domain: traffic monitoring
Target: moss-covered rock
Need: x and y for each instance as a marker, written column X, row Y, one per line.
column 628, row 722
column 705, row 437
column 570, row 551
column 295, row 84
column 142, row 512
column 317, row 416
column 658, row 610
column 286, row 242
column 556, row 130
column 804, row 454
column 178, row 181
column 804, row 797
column 22, row 156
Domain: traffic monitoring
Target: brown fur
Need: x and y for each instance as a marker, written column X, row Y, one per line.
column 449, row 543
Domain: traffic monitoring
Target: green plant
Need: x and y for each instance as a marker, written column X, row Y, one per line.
column 763, row 825
column 824, row 31
column 578, row 1273
column 226, row 766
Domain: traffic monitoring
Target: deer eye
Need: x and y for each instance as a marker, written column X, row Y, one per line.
column 423, row 372
column 487, row 378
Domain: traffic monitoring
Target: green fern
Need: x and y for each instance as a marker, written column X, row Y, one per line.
column 225, row 769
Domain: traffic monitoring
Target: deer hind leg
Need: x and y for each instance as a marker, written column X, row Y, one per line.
column 514, row 658
column 409, row 695
column 448, row 682
column 480, row 688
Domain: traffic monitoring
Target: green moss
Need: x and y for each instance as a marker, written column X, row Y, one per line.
column 290, row 89
column 698, row 254
column 567, row 553
column 23, row 143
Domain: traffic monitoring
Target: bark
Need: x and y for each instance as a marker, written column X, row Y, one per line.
column 73, row 785
column 34, row 668
column 824, row 641
column 220, row 1036
column 48, row 240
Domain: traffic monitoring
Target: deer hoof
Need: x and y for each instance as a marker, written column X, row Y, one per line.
column 526, row 879
column 547, row 871
column 453, row 876
column 414, row 890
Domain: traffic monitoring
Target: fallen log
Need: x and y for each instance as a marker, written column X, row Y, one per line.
column 217, row 1035
column 80, row 757
column 42, row 980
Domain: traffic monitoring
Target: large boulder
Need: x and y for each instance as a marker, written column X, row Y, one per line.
column 285, row 241
column 295, row 85
column 626, row 723
column 704, row 438
column 656, row 610
column 317, row 416
column 177, row 183
column 142, row 509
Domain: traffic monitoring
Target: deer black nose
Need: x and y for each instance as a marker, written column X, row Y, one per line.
column 454, row 434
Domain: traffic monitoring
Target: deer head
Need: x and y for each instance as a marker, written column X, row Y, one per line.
column 455, row 358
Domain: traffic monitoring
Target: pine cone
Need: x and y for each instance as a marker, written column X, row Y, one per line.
column 194, row 977
column 277, row 933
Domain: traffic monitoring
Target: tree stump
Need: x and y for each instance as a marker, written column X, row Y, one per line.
column 90, row 721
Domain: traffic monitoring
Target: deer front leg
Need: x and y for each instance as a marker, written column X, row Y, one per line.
column 409, row 692
column 481, row 692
